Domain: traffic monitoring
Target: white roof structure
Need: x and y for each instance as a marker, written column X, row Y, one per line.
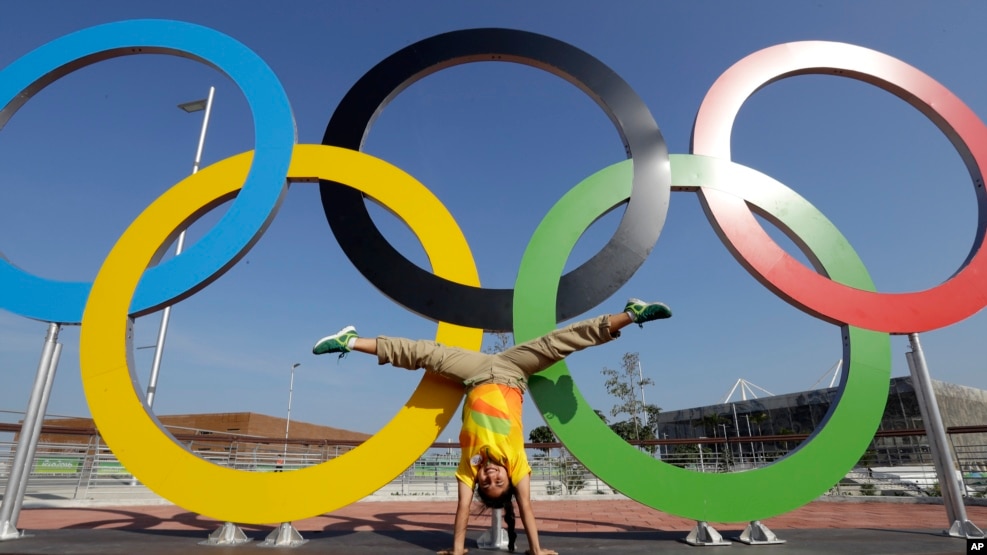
column 748, row 390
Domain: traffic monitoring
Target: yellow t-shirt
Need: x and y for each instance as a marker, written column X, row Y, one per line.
column 492, row 428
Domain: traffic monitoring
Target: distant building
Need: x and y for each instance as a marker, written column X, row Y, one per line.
column 228, row 432
column 800, row 413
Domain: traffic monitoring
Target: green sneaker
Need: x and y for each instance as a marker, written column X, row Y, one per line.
column 642, row 312
column 336, row 343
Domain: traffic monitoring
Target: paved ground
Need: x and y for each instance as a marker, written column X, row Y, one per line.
column 420, row 527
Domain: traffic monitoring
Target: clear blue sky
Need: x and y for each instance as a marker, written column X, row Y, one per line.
column 498, row 144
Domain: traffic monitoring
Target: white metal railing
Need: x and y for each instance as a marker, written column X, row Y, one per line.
column 89, row 470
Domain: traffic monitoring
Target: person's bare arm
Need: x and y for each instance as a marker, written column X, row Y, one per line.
column 528, row 518
column 462, row 520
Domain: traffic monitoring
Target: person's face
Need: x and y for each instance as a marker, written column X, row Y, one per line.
column 493, row 480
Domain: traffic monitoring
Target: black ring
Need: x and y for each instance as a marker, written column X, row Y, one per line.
column 491, row 309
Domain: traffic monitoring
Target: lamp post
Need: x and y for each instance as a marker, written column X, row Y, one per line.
column 287, row 422
column 702, row 465
column 726, row 446
column 188, row 107
column 736, row 428
column 749, row 434
column 640, row 375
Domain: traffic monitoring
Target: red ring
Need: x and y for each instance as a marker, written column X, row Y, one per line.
column 957, row 298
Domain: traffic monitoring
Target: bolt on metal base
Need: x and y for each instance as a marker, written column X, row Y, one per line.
column 704, row 534
column 965, row 529
column 757, row 533
column 283, row 536
column 227, row 534
column 495, row 538
column 9, row 532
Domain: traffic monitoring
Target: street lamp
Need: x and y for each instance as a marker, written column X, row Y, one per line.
column 702, row 465
column 726, row 445
column 751, row 435
column 188, row 107
column 287, row 422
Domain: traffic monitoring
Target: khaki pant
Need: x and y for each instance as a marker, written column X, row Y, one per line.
column 512, row 366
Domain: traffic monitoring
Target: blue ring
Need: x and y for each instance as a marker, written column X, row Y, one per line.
column 245, row 220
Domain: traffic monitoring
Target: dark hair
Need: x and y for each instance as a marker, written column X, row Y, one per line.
column 505, row 501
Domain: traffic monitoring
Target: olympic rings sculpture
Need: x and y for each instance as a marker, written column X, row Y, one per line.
column 423, row 292
column 240, row 227
column 838, row 288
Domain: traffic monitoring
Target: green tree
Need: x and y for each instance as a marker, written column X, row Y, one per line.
column 625, row 384
column 542, row 434
column 501, row 342
column 867, row 459
column 711, row 422
column 651, row 421
column 758, row 419
column 627, row 430
column 783, row 431
column 573, row 472
column 687, row 455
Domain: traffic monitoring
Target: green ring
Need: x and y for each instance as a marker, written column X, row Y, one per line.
column 807, row 472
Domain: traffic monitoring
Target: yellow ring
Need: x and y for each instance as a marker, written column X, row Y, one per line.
column 152, row 454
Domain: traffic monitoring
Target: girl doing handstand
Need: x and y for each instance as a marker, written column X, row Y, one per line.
column 493, row 462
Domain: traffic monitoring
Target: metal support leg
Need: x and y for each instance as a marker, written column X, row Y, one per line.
column 227, row 534
column 495, row 537
column 36, row 433
column 757, row 533
column 704, row 534
column 27, row 443
column 952, row 495
column 283, row 536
